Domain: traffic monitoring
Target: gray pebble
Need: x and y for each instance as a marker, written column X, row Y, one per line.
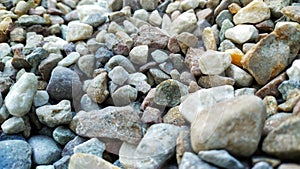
column 41, row 98
column 13, row 125
column 62, row 135
column 92, row 146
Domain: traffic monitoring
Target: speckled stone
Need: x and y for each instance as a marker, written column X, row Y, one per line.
column 275, row 121
column 97, row 89
column 191, row 160
column 41, row 98
column 276, row 6
column 209, row 40
column 78, row 31
column 291, row 100
column 151, row 36
column 286, row 86
column 62, row 135
column 124, row 95
column 92, row 146
column 271, row 105
column 13, row 125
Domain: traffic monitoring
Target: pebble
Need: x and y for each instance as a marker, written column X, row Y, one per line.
column 209, row 40
column 149, row 5
column 22, row 93
column 255, row 12
column 241, row 33
column 78, row 31
column 244, row 91
column 292, row 98
column 262, row 165
column 15, row 154
column 294, row 71
column 203, row 98
column 68, row 149
column 191, row 160
column 119, row 60
column 236, row 56
column 124, row 95
column 158, row 75
column 214, row 81
column 70, row 59
column 276, row 6
column 13, row 125
column 28, row 20
column 139, row 54
column 241, row 77
column 54, row 115
column 62, row 135
column 155, row 19
column 151, row 115
column 214, row 62
column 271, row 105
column 92, row 146
column 118, row 75
column 47, row 65
column 45, row 167
column 292, row 12
column 5, row 50
column 183, row 143
column 222, row 16
column 186, row 22
column 89, row 161
column 274, row 121
column 207, row 135
column 159, row 56
column 98, row 123
column 4, row 114
column 173, row 116
column 226, row 24
column 44, row 149
column 289, row 165
column 286, row 87
column 87, row 64
column 41, row 98
column 265, row 26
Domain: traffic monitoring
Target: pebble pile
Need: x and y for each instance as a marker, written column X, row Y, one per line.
column 149, row 84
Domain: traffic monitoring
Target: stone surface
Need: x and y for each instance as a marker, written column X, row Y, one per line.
column 243, row 114
column 22, row 93
column 276, row 6
column 241, row 77
column 82, row 160
column 139, row 54
column 191, row 160
column 241, row 33
column 271, row 87
column 287, row 86
column 214, row 81
column 186, row 22
column 262, row 165
column 292, row 98
column 209, row 40
column 271, row 105
column 183, row 144
column 257, row 61
column 289, row 166
column 15, row 154
column 173, row 116
column 274, row 121
column 54, row 115
column 41, row 98
column 48, row 64
column 68, row 150
column 151, row 115
column 62, row 135
column 70, row 59
column 214, row 62
column 119, row 60
column 78, row 31
column 292, row 12
column 13, row 125
column 294, row 71
column 92, row 146
column 44, row 149
column 118, row 75
column 124, row 95
column 97, row 89
column 95, row 123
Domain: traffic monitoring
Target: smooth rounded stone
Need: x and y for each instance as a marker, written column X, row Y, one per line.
column 54, row 115
column 234, row 8
column 69, row 59
column 243, row 114
column 203, row 98
column 118, row 75
column 214, row 81
column 271, row 105
column 287, row 86
column 28, row 20
column 241, row 33
column 15, row 154
column 241, row 77
column 62, row 135
column 85, row 10
column 226, row 24
column 257, row 60
column 292, row 12
column 22, row 93
column 149, row 5
column 255, row 12
column 286, row 132
column 225, row 45
column 21, row 8
column 186, row 22
column 189, row 4
column 141, row 14
column 44, row 149
column 13, row 125
column 68, row 149
column 41, row 98
column 87, row 64
column 173, row 116
column 48, row 64
column 244, row 91
column 289, row 166
column 114, row 27
column 191, row 160
column 276, row 6
column 152, row 36
column 214, row 62
column 92, row 146
column 274, row 121
column 45, row 167
column 5, row 49
column 220, row 158
column 87, row 104
column 222, row 16
column 97, row 123
column 294, row 71
column 78, row 31
column 124, row 95
column 209, row 40
column 292, row 98
column 262, row 165
column 274, row 162
column 247, row 46
column 159, row 56
column 139, row 54
column 119, row 60
column 158, row 75
column 81, row 48
column 82, row 160
column 129, row 27
column 155, row 19
column 167, row 67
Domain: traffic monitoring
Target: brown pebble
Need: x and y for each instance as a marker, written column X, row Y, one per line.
column 234, row 8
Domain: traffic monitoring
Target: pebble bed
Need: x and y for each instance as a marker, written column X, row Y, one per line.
column 149, row 84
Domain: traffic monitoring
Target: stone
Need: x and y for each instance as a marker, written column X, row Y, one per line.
column 226, row 24
column 265, row 26
column 141, row 14
column 119, row 60
column 18, row 34
column 94, row 20
column 222, row 16
column 271, row 105
column 22, row 93
column 255, row 12
column 257, row 61
column 87, row 104
column 294, row 71
column 124, row 38
column 289, row 165
column 226, row 45
column 244, row 91
column 15, row 154
column 47, row 65
column 220, row 158
column 110, row 40
column 183, row 144
column 92, row 146
column 203, row 98
column 5, row 50
column 44, row 149
column 118, row 75
column 271, row 88
column 224, row 5
column 292, row 98
column 149, row 5
column 63, row 84
column 62, row 135
column 82, row 160
column 54, row 115
column 191, row 160
column 28, row 20
column 4, row 114
column 186, row 22
column 151, row 115
column 262, row 165
column 287, row 86
column 87, row 64
column 243, row 114
column 296, row 109
column 187, row 39
column 98, row 123
column 214, row 81
column 78, row 31
column 45, row 167
column 286, row 132
column 276, row 6
column 139, row 54
column 159, row 56
column 241, row 77
column 214, row 62
column 155, row 19
column 158, row 75
column 292, row 12
column 234, row 8
column 13, row 125
column 114, row 27
column 241, row 33
column 189, row 4
column 70, row 59
column 173, row 116
column 209, row 40
column 275, row 121
column 274, row 162
column 41, row 98
column 68, row 150
column 62, row 163
column 124, row 95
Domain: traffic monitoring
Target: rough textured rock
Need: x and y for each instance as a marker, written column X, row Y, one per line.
column 186, row 22
column 276, row 6
column 294, row 71
column 271, row 87
column 97, row 90
column 243, row 114
column 78, row 31
column 241, row 77
column 292, row 12
column 190, row 160
column 139, row 54
column 92, row 146
column 82, row 160
column 124, row 95
column 241, row 33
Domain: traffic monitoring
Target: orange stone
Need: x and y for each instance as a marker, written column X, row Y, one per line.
column 234, row 8
column 236, row 56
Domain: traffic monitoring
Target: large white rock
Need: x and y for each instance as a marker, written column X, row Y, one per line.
column 241, row 33
column 186, row 22
column 139, row 54
column 78, row 31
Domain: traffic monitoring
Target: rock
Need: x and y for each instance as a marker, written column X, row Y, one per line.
column 220, row 158
column 70, row 59
column 18, row 34
column 244, row 91
column 13, row 125
column 273, row 143
column 226, row 24
column 271, row 105
column 292, row 98
column 173, row 116
column 246, row 116
column 54, row 115
column 262, row 165
column 183, row 144
column 87, row 64
column 276, row 6
column 149, row 5
column 274, row 121
column 159, row 56
column 28, row 20
column 94, row 20
column 209, row 40
column 118, row 75
column 41, row 98
column 226, row 45
column 241, row 33
column 214, row 62
column 63, row 84
column 294, row 71
column 192, row 60
column 186, row 22
column 45, row 167
column 257, row 61
column 265, row 26
column 15, row 154
column 186, row 40
column 78, row 31
column 44, row 149
column 69, row 147
column 151, row 115
column 234, row 8
column 168, row 93
column 4, row 114
column 289, row 166
column 241, row 77
column 46, row 66
column 271, row 87
column 62, row 163
column 62, row 135
column 236, row 56
column 287, row 86
column 222, row 16
column 97, row 89
column 125, row 38
column 201, row 99
column 214, row 81
column 274, row 162
column 22, row 93
column 5, row 50
column 158, row 75
column 119, row 60
column 191, row 160
column 79, row 160
column 92, row 146
column 155, row 19
column 224, row 5
column 124, row 95
column 139, row 54
column 98, row 123
column 256, row 11
column 141, row 14
column 292, row 12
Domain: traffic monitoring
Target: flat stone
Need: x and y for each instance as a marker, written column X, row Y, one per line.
column 80, row 160
column 241, row 33
column 44, row 149
column 159, row 56
column 201, row 99
column 69, row 59
column 22, row 93
column 41, row 98
column 256, row 11
column 241, row 77
column 13, row 125
column 209, row 40
column 292, row 98
column 124, row 95
column 139, row 54
column 276, row 6
column 271, row 88
column 257, row 61
column 62, row 135
column 78, row 31
column 186, row 22
column 214, row 62
column 15, row 154
column 191, row 160
column 271, row 105
column 98, row 123
column 28, row 20
column 292, row 12
column 243, row 114
column 54, row 115
column 214, row 81
column 92, row 146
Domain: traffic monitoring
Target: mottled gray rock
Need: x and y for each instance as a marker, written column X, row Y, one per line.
column 5, row 49
column 191, row 160
column 92, row 146
column 28, row 20
column 149, row 5
column 294, row 71
column 158, row 75
column 186, row 22
column 87, row 104
column 46, row 66
column 262, row 165
column 244, row 91
column 159, row 56
column 226, row 24
column 13, row 125
column 45, row 167
column 151, row 36
column 276, row 6
column 62, row 135
column 41, row 98
column 222, row 16
column 241, row 77
column 287, row 86
column 119, row 60
column 69, row 147
column 141, row 14
column 62, row 163
column 78, row 31
column 70, row 59
column 124, row 95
